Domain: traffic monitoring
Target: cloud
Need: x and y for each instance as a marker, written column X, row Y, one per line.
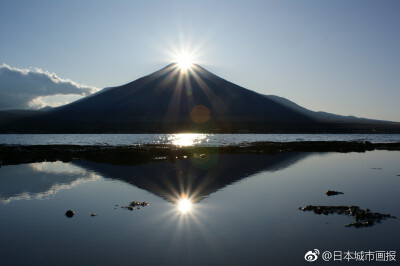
column 35, row 88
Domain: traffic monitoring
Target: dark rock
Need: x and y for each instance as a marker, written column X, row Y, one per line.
column 137, row 203
column 361, row 224
column 93, row 214
column 134, row 203
column 333, row 193
column 128, row 207
column 363, row 218
column 69, row 213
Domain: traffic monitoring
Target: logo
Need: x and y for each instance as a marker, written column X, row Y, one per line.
column 311, row 256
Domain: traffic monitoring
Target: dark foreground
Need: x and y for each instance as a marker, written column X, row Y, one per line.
column 136, row 154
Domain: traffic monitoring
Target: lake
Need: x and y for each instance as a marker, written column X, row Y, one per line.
column 184, row 139
column 225, row 209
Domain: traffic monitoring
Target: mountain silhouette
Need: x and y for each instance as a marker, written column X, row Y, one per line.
column 176, row 100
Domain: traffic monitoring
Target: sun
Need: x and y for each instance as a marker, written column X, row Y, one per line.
column 185, row 61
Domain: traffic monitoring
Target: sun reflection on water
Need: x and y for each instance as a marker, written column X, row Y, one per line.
column 187, row 139
column 184, row 205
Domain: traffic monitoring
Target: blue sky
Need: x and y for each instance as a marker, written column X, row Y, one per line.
column 337, row 56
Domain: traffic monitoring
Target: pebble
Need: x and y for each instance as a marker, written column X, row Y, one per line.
column 69, row 213
column 333, row 193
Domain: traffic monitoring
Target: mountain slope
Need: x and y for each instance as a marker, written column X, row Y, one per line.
column 320, row 116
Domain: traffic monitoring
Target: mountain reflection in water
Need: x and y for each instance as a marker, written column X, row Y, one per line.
column 195, row 178
column 192, row 179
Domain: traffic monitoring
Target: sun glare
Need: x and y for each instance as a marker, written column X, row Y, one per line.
column 184, row 205
column 187, row 139
column 185, row 61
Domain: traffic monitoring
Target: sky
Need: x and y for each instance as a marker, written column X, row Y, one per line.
column 339, row 56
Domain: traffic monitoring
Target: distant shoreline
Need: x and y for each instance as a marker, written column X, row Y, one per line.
column 136, row 154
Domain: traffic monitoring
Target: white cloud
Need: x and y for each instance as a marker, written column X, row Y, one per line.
column 35, row 88
column 53, row 100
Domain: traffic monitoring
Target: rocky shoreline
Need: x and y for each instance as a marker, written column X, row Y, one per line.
column 136, row 154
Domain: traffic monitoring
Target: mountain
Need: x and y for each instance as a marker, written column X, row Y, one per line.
column 11, row 116
column 176, row 100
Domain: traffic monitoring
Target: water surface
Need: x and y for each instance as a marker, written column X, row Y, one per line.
column 184, row 139
column 226, row 209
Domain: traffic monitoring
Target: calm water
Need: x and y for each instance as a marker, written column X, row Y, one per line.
column 184, row 139
column 242, row 209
